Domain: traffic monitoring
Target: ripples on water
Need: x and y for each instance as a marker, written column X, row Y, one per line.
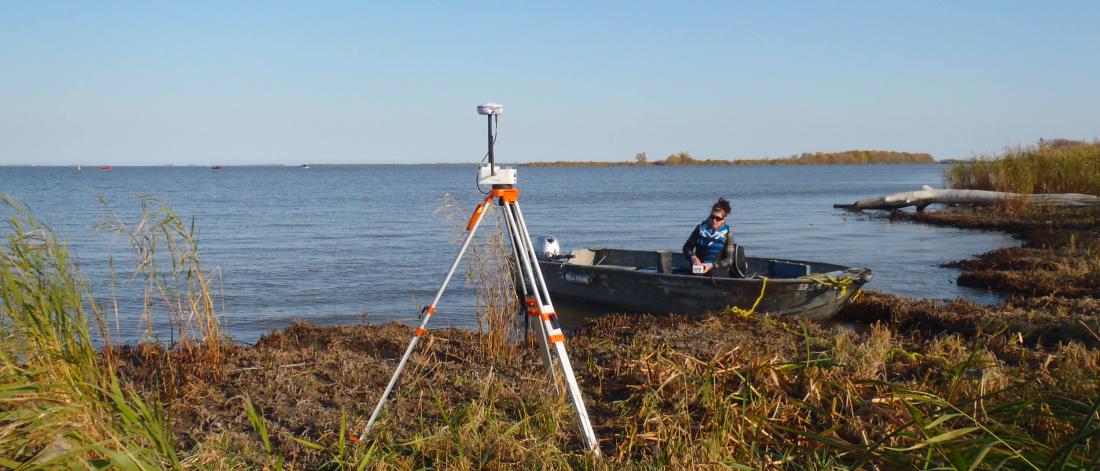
column 330, row 244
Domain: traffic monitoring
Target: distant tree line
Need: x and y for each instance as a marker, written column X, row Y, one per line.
column 816, row 158
column 806, row 158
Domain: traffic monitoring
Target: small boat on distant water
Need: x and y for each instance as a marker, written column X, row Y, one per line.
column 78, row 167
column 217, row 167
column 104, row 167
column 305, row 166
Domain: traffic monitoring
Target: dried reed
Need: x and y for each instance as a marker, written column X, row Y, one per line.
column 176, row 287
column 489, row 269
column 723, row 392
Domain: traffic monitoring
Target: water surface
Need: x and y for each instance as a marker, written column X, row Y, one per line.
column 340, row 244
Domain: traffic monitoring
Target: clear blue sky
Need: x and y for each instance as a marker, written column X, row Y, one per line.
column 367, row 82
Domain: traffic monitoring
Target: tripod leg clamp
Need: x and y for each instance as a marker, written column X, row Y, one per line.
column 477, row 214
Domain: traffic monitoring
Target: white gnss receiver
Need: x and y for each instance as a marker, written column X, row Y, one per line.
column 490, row 174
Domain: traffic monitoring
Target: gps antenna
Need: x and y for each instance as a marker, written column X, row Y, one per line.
column 490, row 110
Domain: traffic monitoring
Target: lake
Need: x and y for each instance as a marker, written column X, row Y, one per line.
column 340, row 244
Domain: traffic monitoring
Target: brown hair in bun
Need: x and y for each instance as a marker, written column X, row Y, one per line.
column 722, row 204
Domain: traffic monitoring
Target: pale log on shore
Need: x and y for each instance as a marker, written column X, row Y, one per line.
column 928, row 195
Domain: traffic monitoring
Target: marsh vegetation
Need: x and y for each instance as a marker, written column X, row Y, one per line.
column 1055, row 166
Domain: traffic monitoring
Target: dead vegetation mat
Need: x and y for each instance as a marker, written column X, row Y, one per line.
column 679, row 392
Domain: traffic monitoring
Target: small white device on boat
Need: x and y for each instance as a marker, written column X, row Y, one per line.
column 698, row 269
column 550, row 247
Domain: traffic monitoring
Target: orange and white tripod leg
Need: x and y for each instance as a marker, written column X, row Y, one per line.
column 527, row 277
column 556, row 338
column 471, row 228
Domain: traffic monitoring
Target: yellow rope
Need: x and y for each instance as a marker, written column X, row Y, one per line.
column 819, row 278
column 751, row 311
column 831, row 282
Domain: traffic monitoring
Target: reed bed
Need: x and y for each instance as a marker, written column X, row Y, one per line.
column 1059, row 166
column 61, row 402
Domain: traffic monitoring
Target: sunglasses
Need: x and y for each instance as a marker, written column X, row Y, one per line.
column 717, row 218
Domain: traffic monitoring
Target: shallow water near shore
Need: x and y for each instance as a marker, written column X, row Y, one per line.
column 343, row 244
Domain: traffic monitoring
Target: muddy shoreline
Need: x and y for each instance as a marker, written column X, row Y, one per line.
column 666, row 390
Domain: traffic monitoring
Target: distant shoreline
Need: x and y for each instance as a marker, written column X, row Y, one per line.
column 681, row 159
column 472, row 165
column 684, row 159
column 727, row 163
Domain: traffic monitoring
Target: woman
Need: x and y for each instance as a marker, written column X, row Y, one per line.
column 711, row 243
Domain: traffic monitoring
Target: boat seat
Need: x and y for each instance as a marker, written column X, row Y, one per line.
column 782, row 269
column 621, row 267
column 583, row 257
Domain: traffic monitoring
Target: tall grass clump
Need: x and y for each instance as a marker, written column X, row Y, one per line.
column 489, row 270
column 61, row 402
column 177, row 289
column 1058, row 166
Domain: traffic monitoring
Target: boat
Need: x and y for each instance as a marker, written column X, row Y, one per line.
column 217, row 167
column 104, row 167
column 305, row 166
column 661, row 282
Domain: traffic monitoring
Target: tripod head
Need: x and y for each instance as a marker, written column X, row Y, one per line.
column 490, row 174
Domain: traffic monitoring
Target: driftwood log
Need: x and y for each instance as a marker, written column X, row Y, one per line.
column 928, row 195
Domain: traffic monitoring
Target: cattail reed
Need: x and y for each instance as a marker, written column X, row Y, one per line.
column 1058, row 166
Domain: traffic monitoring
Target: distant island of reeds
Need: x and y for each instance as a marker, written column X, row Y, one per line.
column 849, row 157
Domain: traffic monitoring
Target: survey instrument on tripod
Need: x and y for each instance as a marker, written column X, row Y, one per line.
column 536, row 297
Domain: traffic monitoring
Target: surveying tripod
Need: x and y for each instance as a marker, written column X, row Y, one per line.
column 536, row 296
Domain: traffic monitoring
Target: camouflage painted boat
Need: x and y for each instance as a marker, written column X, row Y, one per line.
column 661, row 282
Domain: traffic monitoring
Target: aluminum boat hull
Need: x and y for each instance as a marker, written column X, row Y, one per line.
column 660, row 282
